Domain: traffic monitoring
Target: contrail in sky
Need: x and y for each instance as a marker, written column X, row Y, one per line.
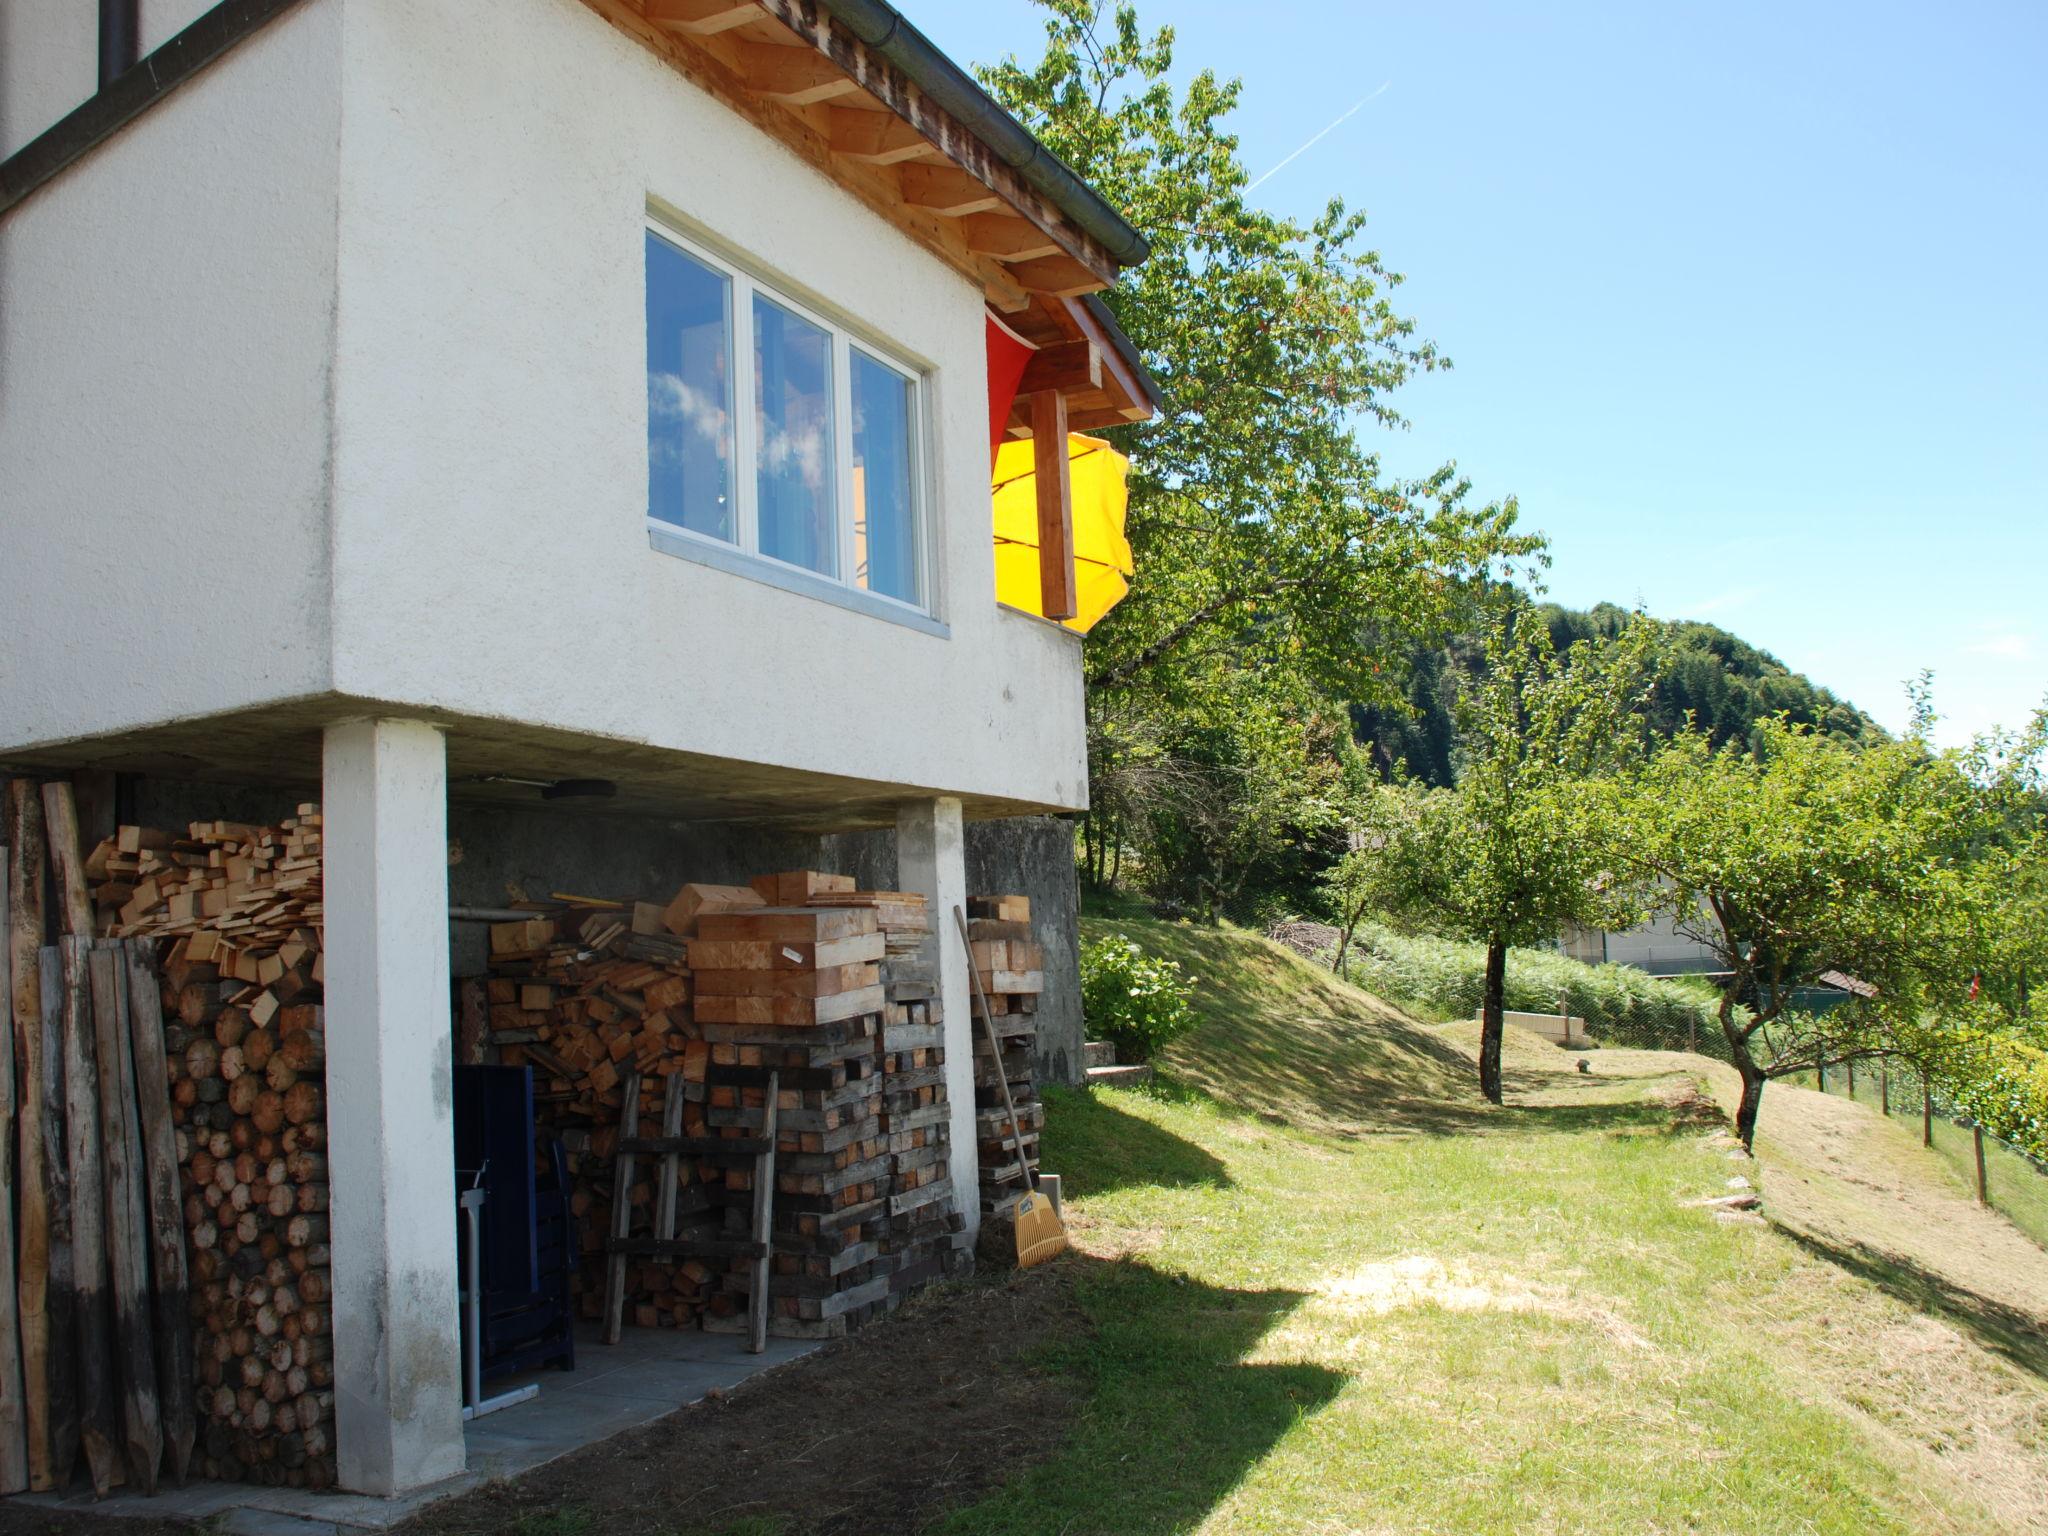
column 1311, row 144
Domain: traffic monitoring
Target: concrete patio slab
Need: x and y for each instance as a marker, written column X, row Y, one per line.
column 649, row 1373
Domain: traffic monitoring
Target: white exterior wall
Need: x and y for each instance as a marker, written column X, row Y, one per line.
column 163, row 395
column 491, row 482
column 49, row 63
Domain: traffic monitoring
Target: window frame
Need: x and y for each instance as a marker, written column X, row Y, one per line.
column 743, row 554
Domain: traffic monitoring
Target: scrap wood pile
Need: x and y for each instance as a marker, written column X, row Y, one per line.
column 1009, row 965
column 170, row 1187
column 799, row 975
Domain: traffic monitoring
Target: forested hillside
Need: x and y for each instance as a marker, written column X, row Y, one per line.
column 1724, row 683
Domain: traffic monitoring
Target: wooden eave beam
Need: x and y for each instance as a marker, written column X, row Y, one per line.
column 794, row 76
column 1004, row 236
column 702, row 18
column 882, row 138
column 1071, row 367
column 900, row 95
column 1119, row 382
column 947, row 190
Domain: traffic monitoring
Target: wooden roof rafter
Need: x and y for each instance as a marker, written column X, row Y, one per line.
column 793, row 70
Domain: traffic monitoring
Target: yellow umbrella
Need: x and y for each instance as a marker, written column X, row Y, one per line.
column 1102, row 556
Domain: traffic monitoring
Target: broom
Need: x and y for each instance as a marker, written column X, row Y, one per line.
column 1039, row 1231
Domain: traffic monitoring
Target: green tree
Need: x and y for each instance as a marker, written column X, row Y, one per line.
column 1271, row 554
column 1808, row 855
column 1519, row 849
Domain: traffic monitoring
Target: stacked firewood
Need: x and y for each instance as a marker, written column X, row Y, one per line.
column 1009, row 965
column 236, row 911
column 796, row 991
column 588, row 994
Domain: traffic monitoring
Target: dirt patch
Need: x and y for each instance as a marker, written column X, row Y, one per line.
column 871, row 1437
column 1419, row 1280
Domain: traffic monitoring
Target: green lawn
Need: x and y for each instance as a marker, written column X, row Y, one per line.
column 1333, row 1290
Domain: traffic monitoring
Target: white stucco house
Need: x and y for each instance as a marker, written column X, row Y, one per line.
column 413, row 399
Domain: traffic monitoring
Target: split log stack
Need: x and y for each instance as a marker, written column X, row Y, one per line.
column 234, row 913
column 1010, row 965
column 588, row 994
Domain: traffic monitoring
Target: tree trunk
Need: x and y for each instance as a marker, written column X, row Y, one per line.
column 1752, row 1101
column 1492, row 1006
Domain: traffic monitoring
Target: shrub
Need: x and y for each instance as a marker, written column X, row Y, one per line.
column 1620, row 1004
column 1135, row 1002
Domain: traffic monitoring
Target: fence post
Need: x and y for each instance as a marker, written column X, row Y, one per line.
column 1884, row 1090
column 1926, row 1114
column 1983, row 1189
column 1820, row 1078
column 1852, row 1079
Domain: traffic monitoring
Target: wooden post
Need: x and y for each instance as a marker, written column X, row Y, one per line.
column 13, row 1410
column 1926, row 1114
column 671, row 1163
column 60, row 1291
column 764, row 1218
column 1852, row 1079
column 60, row 828
column 1983, row 1185
column 622, row 1214
column 1884, row 1090
column 1055, row 504
column 176, row 1372
column 24, row 838
column 127, row 1217
column 97, row 1415
column 1820, row 1078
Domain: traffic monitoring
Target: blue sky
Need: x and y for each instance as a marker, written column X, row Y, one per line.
column 1748, row 304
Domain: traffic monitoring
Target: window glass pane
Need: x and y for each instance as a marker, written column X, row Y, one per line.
column 793, row 419
column 884, row 513
column 689, row 393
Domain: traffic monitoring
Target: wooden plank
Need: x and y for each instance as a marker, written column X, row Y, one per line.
column 59, row 1298
column 1060, row 276
column 98, row 1413
column 795, row 76
column 1056, row 582
column 949, row 191
column 702, row 18
column 127, row 1219
column 671, row 1163
column 883, row 138
column 1006, row 237
column 23, row 834
column 13, row 1408
column 764, row 1223
column 67, row 863
column 622, row 1213
column 1067, row 366
column 176, row 1370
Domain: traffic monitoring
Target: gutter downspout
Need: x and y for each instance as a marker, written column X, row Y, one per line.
column 880, row 26
column 120, row 38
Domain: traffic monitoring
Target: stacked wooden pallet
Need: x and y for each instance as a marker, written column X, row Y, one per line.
column 1009, row 965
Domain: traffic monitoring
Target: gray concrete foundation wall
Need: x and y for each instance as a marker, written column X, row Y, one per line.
column 505, row 855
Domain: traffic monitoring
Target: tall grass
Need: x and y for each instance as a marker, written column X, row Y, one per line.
column 1620, row 1004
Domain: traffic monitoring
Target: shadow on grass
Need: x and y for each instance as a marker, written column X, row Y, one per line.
column 2002, row 1329
column 1097, row 1147
column 1174, row 1415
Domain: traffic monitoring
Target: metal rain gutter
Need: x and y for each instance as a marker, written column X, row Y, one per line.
column 882, row 27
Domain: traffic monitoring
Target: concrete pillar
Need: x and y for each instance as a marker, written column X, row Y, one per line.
column 931, row 858
column 390, row 1115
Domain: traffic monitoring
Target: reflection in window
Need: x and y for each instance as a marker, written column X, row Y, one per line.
column 884, row 515
column 793, row 439
column 689, row 393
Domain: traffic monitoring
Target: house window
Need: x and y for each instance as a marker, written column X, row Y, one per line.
column 818, row 471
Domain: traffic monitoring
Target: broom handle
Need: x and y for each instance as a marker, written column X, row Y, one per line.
column 995, row 1051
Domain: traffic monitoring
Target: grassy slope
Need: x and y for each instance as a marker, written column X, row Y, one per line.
column 1335, row 1291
